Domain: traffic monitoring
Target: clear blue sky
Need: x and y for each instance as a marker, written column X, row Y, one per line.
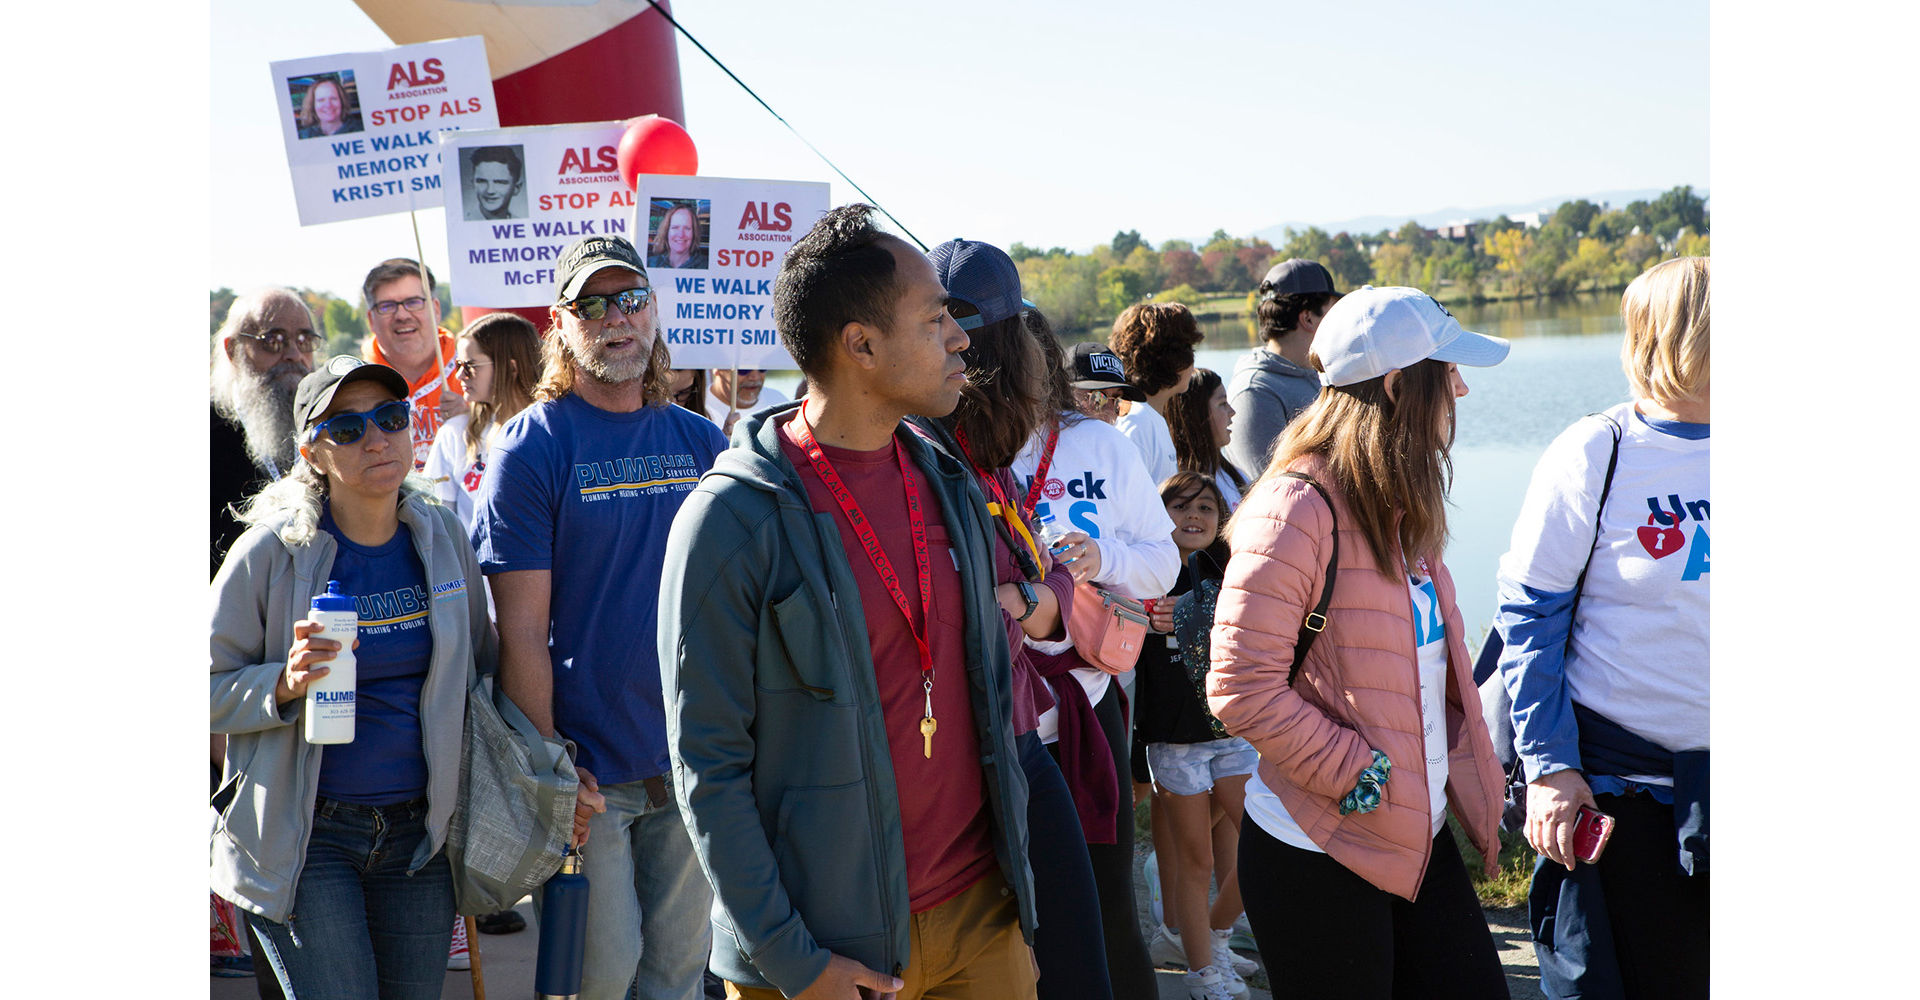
column 1054, row 123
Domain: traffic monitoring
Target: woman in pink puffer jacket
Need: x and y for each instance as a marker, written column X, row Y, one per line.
column 1353, row 884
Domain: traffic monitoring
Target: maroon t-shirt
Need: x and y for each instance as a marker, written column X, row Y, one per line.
column 943, row 804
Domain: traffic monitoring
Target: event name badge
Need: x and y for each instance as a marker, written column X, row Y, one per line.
column 361, row 128
column 713, row 247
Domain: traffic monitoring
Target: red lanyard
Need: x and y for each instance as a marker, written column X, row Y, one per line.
column 1040, row 473
column 916, row 523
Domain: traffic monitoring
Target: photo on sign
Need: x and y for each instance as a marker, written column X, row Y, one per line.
column 324, row 104
column 493, row 182
column 680, row 227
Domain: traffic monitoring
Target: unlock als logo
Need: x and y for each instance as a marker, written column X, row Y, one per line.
column 1666, row 532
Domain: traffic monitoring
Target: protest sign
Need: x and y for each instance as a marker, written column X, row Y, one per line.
column 516, row 197
column 713, row 246
column 360, row 126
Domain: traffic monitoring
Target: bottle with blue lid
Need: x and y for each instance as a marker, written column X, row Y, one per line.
column 330, row 699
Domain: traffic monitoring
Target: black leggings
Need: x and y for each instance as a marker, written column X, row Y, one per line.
column 1325, row 932
column 1067, row 944
column 1128, row 969
column 1658, row 913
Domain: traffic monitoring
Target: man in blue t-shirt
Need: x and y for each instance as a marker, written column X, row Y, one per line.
column 571, row 528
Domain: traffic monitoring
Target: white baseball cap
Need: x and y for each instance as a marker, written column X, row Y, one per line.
column 1372, row 331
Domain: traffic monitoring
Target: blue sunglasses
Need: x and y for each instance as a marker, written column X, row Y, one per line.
column 346, row 428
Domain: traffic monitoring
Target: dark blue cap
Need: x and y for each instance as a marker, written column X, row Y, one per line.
column 982, row 276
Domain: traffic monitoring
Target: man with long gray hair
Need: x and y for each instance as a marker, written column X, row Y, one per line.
column 262, row 350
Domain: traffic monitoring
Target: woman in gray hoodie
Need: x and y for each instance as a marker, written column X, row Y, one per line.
column 336, row 852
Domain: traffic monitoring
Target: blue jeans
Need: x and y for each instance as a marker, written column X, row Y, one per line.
column 647, row 902
column 362, row 925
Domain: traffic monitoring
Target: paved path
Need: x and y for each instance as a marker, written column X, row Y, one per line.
column 507, row 965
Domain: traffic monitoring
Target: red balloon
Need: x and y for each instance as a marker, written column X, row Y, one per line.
column 656, row 145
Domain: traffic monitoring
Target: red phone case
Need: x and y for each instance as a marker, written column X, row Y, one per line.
column 1590, row 833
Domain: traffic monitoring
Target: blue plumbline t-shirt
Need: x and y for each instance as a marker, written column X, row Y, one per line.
column 589, row 496
column 386, row 762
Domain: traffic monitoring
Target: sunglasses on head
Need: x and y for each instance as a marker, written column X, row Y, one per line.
column 392, row 416
column 595, row 306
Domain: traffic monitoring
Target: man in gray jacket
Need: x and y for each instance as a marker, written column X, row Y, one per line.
column 1274, row 382
column 838, row 666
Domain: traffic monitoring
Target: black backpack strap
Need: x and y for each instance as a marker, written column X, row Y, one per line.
column 1316, row 620
column 1606, row 488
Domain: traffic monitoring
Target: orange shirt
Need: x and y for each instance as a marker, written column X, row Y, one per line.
column 425, row 395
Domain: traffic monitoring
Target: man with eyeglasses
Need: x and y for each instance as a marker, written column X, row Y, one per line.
column 404, row 318
column 571, row 527
column 263, row 349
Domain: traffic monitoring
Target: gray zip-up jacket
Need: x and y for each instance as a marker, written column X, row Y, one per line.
column 779, row 749
column 260, row 841
column 1266, row 392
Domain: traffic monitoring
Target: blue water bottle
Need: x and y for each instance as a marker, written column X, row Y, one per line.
column 563, row 931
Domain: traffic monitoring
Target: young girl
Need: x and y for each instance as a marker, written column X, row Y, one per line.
column 498, row 361
column 1201, row 422
column 1198, row 770
column 1353, row 883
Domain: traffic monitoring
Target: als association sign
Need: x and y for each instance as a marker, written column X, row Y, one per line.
column 516, row 197
column 360, row 127
column 713, row 246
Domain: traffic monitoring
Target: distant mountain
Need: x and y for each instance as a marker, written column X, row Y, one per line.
column 1276, row 234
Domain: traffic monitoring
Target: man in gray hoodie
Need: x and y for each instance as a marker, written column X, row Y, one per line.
column 1274, row 382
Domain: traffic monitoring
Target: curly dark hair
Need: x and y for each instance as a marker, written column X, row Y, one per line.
column 841, row 272
column 1280, row 314
column 1155, row 341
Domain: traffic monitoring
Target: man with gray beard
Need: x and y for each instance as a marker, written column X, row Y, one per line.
column 571, row 526
column 264, row 347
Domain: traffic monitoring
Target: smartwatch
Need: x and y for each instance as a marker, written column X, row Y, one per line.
column 1027, row 594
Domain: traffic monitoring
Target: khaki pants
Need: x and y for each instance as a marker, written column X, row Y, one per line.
column 967, row 948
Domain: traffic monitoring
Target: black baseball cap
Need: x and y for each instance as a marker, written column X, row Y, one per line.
column 317, row 389
column 1092, row 366
column 589, row 255
column 1295, row 276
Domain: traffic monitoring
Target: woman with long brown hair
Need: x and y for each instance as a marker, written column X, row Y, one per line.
column 1352, row 881
column 498, row 361
column 1201, row 422
column 1007, row 395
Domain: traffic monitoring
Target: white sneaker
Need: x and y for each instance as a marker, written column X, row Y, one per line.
column 1224, row 956
column 459, row 958
column 1164, row 948
column 1208, row 984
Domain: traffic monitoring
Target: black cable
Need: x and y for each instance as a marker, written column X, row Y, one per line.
column 875, row 202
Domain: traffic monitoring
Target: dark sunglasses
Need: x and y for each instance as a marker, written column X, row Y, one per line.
column 275, row 342
column 392, row 416
column 595, row 306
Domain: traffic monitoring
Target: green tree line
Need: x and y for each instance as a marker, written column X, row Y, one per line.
column 1581, row 246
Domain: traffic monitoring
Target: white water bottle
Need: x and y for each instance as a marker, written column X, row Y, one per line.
column 329, row 707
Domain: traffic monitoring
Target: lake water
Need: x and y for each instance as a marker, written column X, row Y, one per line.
column 1565, row 363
